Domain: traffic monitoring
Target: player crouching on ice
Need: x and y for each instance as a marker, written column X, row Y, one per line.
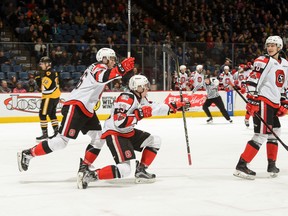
column 122, row 138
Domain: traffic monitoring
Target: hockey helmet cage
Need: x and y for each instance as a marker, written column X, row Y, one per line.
column 105, row 53
column 199, row 67
column 137, row 81
column 45, row 59
column 274, row 40
column 182, row 67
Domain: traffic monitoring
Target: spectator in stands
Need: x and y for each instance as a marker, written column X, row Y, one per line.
column 79, row 18
column 31, row 84
column 117, row 86
column 4, row 87
column 226, row 63
column 3, row 58
column 39, row 49
column 76, row 58
column 12, row 82
column 72, row 47
column 64, row 58
column 19, row 88
column 56, row 29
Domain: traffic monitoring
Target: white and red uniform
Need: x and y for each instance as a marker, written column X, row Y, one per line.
column 225, row 80
column 122, row 120
column 90, row 87
column 268, row 79
column 182, row 81
column 198, row 81
column 240, row 78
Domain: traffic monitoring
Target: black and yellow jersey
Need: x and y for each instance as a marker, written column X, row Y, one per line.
column 50, row 84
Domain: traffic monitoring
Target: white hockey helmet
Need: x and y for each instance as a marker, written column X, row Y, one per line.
column 137, row 81
column 182, row 67
column 274, row 40
column 105, row 53
column 199, row 67
column 226, row 67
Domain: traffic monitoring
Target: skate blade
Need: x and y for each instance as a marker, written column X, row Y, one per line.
column 242, row 175
column 19, row 159
column 144, row 180
column 272, row 174
column 80, row 184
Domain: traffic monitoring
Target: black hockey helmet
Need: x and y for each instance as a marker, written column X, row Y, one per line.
column 45, row 59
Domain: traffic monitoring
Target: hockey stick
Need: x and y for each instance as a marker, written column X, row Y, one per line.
column 174, row 56
column 261, row 119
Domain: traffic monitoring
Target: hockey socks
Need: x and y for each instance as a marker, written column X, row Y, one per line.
column 41, row 149
column 250, row 151
column 108, row 172
column 91, row 154
column 148, row 156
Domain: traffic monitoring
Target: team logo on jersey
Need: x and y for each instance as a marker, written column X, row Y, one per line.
column 280, row 77
column 128, row 154
column 72, row 132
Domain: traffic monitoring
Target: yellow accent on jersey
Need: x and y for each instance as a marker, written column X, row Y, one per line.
column 97, row 106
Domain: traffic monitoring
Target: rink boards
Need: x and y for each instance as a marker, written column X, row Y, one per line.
column 25, row 107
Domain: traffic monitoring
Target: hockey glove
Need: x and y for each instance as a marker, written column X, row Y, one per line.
column 143, row 112
column 253, row 105
column 175, row 105
column 283, row 109
column 243, row 90
column 125, row 66
column 236, row 82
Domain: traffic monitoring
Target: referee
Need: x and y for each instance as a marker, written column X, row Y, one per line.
column 211, row 86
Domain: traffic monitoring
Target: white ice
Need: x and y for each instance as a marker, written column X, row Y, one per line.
column 207, row 188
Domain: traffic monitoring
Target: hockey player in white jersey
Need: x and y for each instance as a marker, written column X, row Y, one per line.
column 226, row 78
column 182, row 80
column 123, row 138
column 198, row 78
column 265, row 95
column 78, row 111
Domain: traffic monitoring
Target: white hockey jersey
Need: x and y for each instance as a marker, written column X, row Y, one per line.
column 89, row 89
column 225, row 80
column 198, row 81
column 240, row 77
column 268, row 80
column 122, row 119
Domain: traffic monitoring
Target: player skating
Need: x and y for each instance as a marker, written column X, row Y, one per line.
column 78, row 111
column 266, row 97
column 122, row 138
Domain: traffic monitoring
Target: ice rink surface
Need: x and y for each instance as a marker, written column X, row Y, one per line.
column 207, row 188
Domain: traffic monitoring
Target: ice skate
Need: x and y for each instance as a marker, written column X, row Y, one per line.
column 142, row 176
column 85, row 176
column 210, row 120
column 54, row 135
column 246, row 121
column 242, row 171
column 272, row 169
column 24, row 158
column 42, row 138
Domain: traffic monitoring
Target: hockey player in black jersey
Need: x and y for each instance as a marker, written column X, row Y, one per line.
column 48, row 81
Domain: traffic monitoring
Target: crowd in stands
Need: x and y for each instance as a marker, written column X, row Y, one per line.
column 200, row 31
